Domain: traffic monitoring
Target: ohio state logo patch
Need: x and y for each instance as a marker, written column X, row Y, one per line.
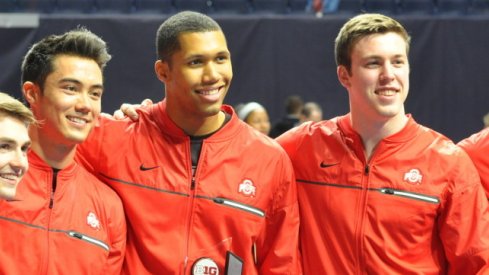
column 413, row 176
column 93, row 221
column 247, row 188
column 205, row 266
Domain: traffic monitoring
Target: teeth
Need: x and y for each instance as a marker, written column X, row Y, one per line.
column 9, row 176
column 386, row 92
column 77, row 120
column 209, row 92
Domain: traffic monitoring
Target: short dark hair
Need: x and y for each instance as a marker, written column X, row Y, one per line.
column 167, row 42
column 38, row 62
column 294, row 104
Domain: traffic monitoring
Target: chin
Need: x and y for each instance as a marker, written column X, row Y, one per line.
column 213, row 110
column 8, row 193
column 77, row 139
column 391, row 111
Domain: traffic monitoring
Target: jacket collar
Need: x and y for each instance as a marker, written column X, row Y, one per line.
column 410, row 130
column 36, row 162
column 158, row 114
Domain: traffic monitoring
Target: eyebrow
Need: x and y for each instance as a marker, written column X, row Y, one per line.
column 379, row 56
column 197, row 55
column 13, row 141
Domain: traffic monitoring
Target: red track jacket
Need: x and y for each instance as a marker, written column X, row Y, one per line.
column 77, row 229
column 243, row 198
column 477, row 146
column 417, row 207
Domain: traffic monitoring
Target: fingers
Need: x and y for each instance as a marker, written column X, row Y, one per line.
column 118, row 115
column 129, row 110
column 126, row 110
column 146, row 103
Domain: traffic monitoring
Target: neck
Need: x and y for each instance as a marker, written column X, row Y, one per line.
column 201, row 127
column 55, row 155
column 372, row 132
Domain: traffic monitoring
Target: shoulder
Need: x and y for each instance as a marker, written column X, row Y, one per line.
column 310, row 130
column 252, row 136
column 451, row 159
column 475, row 141
column 249, row 142
column 439, row 144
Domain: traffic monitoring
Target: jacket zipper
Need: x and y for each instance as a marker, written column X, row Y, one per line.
column 367, row 169
column 88, row 239
column 240, row 206
column 53, row 188
column 360, row 226
column 50, row 207
column 409, row 195
column 191, row 203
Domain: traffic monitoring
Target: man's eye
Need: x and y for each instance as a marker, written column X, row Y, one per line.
column 222, row 58
column 373, row 62
column 195, row 62
column 70, row 88
column 398, row 62
column 25, row 148
column 96, row 94
column 4, row 146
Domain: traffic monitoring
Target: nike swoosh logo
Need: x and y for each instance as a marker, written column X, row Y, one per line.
column 144, row 168
column 326, row 165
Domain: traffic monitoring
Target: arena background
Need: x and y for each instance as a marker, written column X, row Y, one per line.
column 276, row 55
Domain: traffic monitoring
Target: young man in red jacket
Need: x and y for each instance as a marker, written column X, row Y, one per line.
column 477, row 146
column 204, row 193
column 14, row 143
column 64, row 220
column 378, row 192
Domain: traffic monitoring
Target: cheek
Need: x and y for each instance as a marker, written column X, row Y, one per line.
column 405, row 78
column 97, row 107
column 56, row 107
column 3, row 160
column 368, row 79
column 183, row 83
column 25, row 161
column 228, row 72
column 188, row 77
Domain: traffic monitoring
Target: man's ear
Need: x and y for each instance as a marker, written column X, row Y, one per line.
column 162, row 70
column 31, row 92
column 343, row 76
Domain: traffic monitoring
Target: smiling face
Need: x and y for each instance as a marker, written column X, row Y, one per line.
column 14, row 143
column 198, row 78
column 378, row 82
column 70, row 102
column 259, row 120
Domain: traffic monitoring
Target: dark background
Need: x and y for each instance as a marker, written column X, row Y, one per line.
column 279, row 55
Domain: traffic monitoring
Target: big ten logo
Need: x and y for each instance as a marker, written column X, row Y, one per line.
column 205, row 266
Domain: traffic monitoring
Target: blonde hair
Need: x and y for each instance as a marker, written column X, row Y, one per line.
column 12, row 107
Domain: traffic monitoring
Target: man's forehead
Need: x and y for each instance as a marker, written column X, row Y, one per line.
column 198, row 42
